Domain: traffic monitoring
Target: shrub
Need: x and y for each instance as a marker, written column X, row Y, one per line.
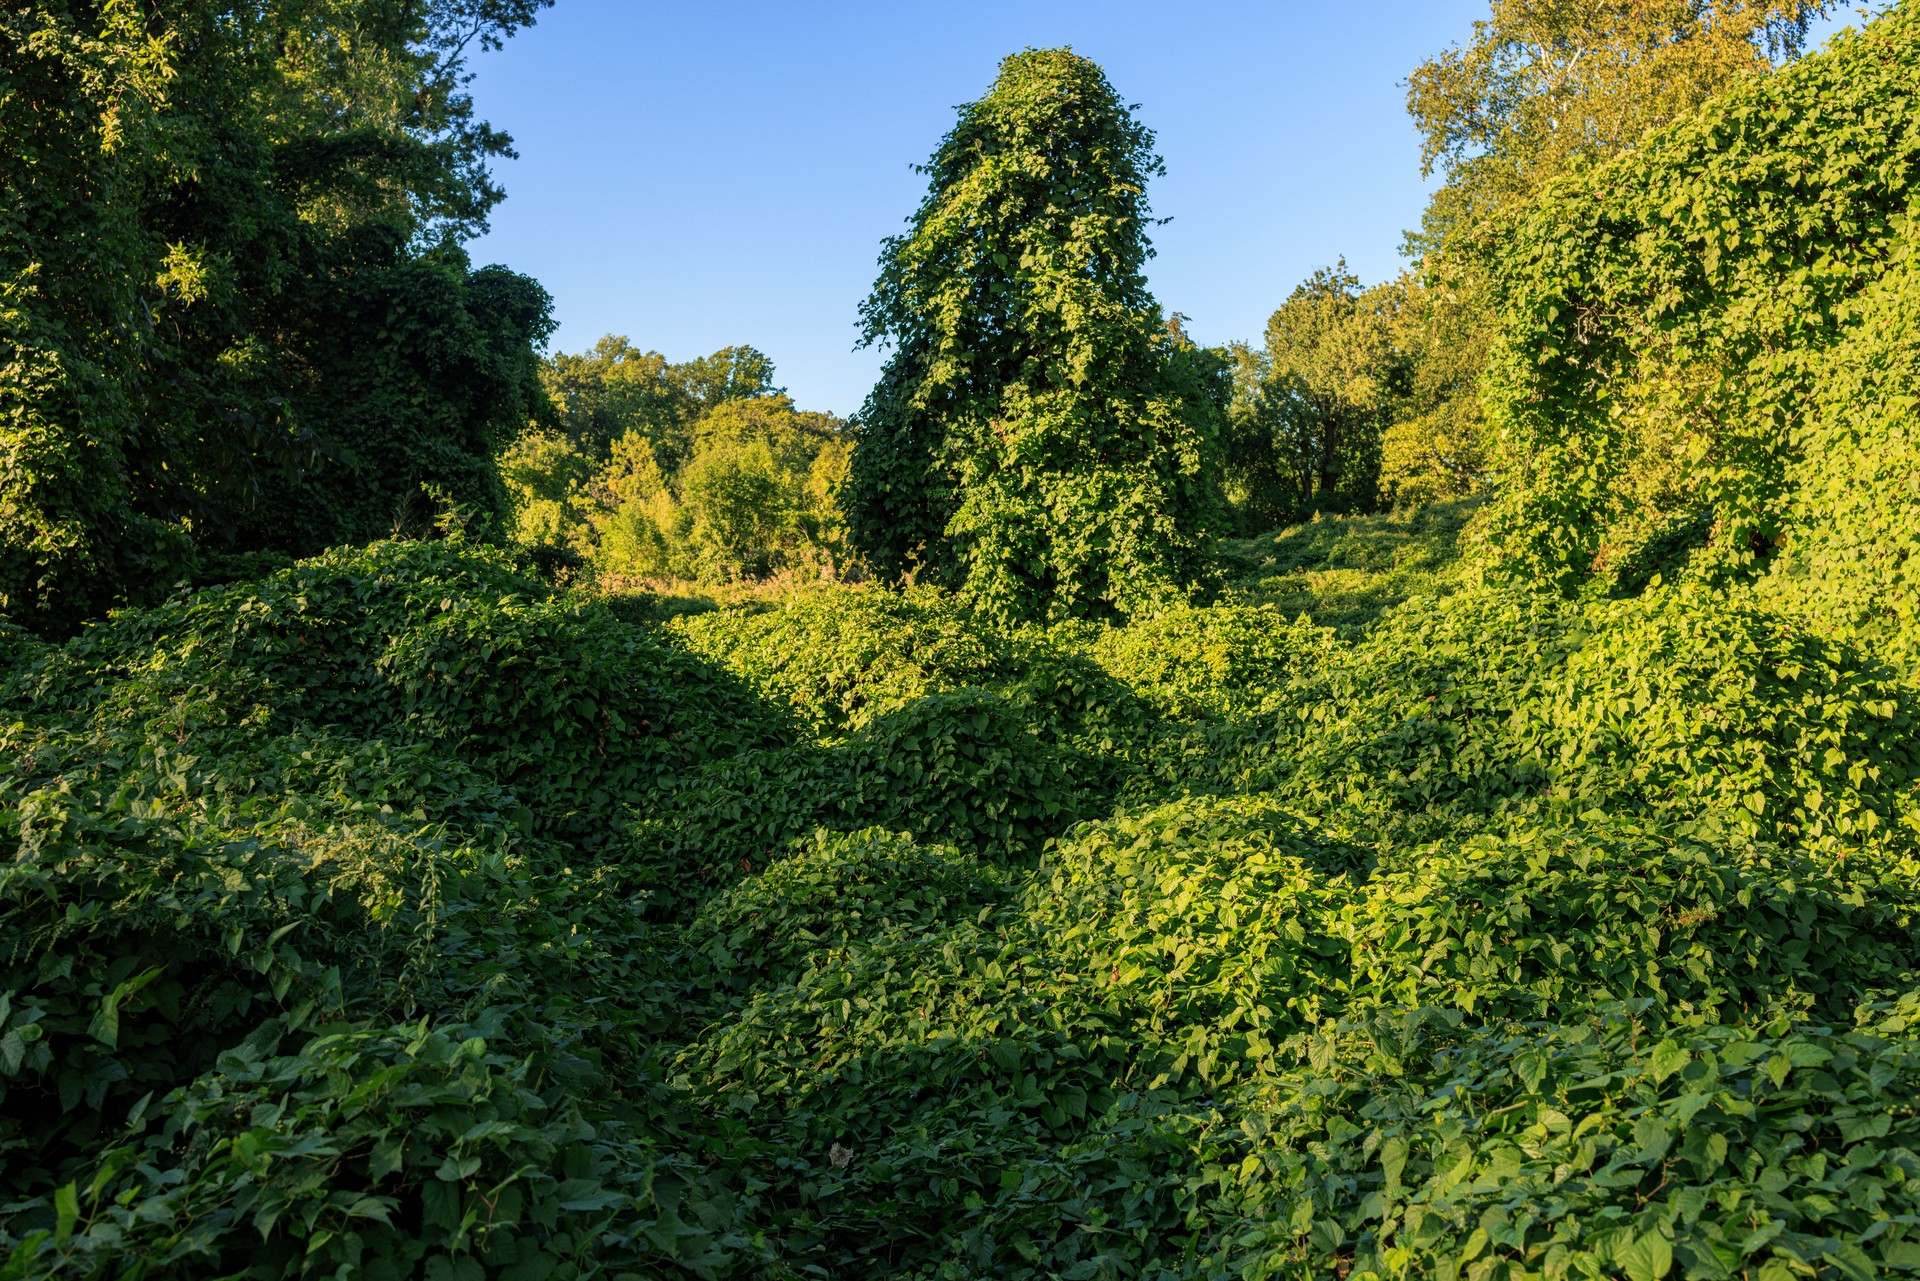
column 833, row 891
column 379, row 1152
column 1598, row 1147
column 1220, row 660
column 1542, row 922
column 555, row 698
column 959, row 768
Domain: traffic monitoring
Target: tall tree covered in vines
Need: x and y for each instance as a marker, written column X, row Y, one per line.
column 1035, row 435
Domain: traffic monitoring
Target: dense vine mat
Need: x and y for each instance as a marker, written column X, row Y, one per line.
column 397, row 915
column 1546, row 910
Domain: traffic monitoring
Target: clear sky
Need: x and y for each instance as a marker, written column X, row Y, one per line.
column 697, row 174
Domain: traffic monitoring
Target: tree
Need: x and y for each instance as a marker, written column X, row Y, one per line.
column 701, row 469
column 1030, row 436
column 1311, row 408
column 615, row 388
column 730, row 375
column 1435, row 442
column 1543, row 87
column 233, row 309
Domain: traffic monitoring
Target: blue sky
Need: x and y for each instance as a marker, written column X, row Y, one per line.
column 699, row 174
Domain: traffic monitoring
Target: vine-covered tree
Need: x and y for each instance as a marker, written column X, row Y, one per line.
column 1546, row 84
column 1035, row 434
column 234, row 313
column 1541, row 88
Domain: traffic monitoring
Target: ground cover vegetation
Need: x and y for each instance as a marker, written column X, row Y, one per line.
column 1519, row 885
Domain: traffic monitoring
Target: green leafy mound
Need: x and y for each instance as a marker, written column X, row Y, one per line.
column 1848, row 556
column 1192, row 1026
column 1132, row 949
column 843, row 656
column 961, row 767
column 201, row 985
column 1686, row 703
column 1532, row 924
column 398, row 1147
column 1598, row 1149
column 1092, row 952
column 1345, row 571
column 836, row 891
column 1221, row 660
column 407, row 642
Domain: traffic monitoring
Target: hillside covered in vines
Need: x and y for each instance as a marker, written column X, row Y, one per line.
column 1524, row 885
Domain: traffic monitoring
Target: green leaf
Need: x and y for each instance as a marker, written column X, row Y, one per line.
column 1647, row 1259
column 456, row 1168
column 66, row 1209
column 388, row 1155
column 1668, row 1057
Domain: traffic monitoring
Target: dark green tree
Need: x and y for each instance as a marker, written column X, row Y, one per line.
column 234, row 313
column 1036, row 435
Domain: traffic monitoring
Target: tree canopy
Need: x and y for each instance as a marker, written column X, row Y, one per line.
column 1545, row 85
column 235, row 311
column 1541, row 88
column 700, row 469
column 1307, row 430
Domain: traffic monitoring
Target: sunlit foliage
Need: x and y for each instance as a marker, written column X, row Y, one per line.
column 1035, row 435
column 1521, row 886
column 701, row 470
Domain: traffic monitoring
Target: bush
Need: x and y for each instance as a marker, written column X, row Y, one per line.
column 1846, row 557
column 960, row 768
column 1545, row 921
column 378, row 1152
column 1221, row 660
column 839, row 889
column 430, row 643
column 1416, row 1145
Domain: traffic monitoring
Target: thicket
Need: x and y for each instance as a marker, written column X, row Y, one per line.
column 1677, row 324
column 868, row 937
column 1436, row 902
column 235, row 315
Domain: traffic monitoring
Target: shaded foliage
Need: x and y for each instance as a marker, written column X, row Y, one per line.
column 234, row 309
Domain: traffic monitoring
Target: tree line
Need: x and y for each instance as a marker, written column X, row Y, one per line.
column 237, row 320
